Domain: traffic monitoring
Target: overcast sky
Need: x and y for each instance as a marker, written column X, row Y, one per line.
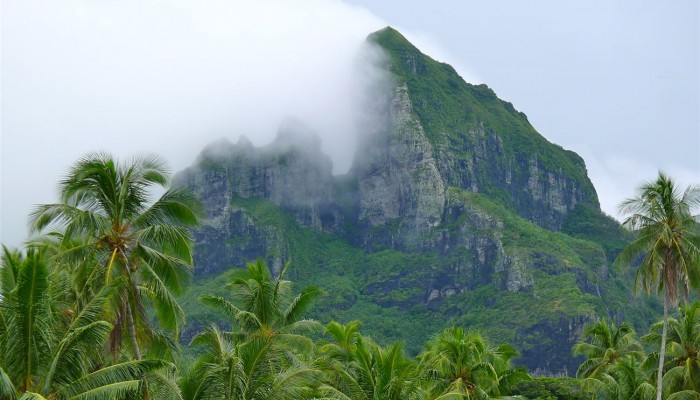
column 617, row 82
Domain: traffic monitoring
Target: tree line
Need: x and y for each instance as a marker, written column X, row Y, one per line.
column 88, row 310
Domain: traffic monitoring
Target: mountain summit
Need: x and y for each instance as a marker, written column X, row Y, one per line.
column 481, row 143
column 456, row 211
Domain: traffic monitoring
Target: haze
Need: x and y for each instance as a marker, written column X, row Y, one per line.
column 619, row 84
column 167, row 77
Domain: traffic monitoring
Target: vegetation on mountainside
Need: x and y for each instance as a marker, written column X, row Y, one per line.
column 382, row 288
column 585, row 222
column 474, row 259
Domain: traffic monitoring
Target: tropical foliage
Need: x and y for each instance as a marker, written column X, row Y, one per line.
column 88, row 310
column 108, row 228
column 616, row 367
column 462, row 365
column 358, row 369
column 49, row 343
column 682, row 366
column 608, row 343
column 669, row 243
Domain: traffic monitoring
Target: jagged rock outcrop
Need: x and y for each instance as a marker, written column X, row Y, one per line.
column 291, row 172
column 399, row 185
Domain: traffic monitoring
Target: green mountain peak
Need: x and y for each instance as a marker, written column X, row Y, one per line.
column 456, row 211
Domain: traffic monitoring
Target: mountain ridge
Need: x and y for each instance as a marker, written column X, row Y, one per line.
column 455, row 212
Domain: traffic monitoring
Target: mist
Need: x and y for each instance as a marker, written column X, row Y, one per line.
column 169, row 77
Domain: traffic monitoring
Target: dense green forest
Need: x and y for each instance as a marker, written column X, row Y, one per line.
column 89, row 310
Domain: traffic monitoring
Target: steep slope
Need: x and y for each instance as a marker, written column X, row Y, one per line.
column 472, row 139
column 456, row 211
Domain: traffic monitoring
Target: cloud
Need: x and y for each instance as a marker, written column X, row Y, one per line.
column 167, row 77
column 617, row 177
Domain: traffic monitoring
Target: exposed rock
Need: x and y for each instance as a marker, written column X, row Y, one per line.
column 398, row 179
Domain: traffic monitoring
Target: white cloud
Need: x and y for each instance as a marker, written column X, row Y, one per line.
column 617, row 177
column 166, row 77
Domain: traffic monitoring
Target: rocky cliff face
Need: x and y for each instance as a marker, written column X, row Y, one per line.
column 399, row 184
column 291, row 172
column 450, row 213
column 480, row 143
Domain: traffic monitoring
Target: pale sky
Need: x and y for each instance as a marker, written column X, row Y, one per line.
column 616, row 81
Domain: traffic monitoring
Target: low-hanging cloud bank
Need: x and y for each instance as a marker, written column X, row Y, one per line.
column 168, row 77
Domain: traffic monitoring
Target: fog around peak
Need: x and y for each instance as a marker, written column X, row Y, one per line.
column 169, row 77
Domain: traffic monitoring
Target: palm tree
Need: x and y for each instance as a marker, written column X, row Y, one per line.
column 624, row 380
column 344, row 341
column 358, row 369
column 669, row 242
column 232, row 368
column 260, row 359
column 267, row 308
column 105, row 209
column 49, row 351
column 608, row 344
column 461, row 365
column 683, row 364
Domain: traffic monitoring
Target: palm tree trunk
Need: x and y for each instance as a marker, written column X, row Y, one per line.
column 129, row 313
column 132, row 331
column 662, row 352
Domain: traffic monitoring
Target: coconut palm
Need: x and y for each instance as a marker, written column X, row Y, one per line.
column 358, row 369
column 260, row 358
column 232, row 368
column 48, row 349
column 266, row 307
column 623, row 380
column 105, row 209
column 343, row 341
column 606, row 345
column 460, row 365
column 683, row 345
column 668, row 242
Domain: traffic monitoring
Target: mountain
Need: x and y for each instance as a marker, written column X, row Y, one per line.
column 455, row 211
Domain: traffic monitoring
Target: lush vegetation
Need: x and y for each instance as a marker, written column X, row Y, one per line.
column 52, row 347
column 386, row 288
column 88, row 310
column 669, row 243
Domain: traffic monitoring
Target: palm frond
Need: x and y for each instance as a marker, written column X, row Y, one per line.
column 7, row 389
column 174, row 241
column 115, row 377
column 174, row 272
column 74, row 352
column 28, row 331
column 161, row 386
column 32, row 396
column 301, row 303
column 116, row 390
column 169, row 313
column 174, row 207
column 684, row 395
